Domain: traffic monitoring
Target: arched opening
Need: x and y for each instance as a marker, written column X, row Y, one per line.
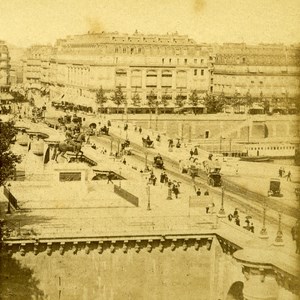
column 236, row 291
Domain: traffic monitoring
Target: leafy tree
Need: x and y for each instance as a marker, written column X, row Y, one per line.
column 8, row 159
column 214, row 104
column 194, row 100
column 248, row 100
column 118, row 97
column 101, row 98
column 165, row 98
column 151, row 98
column 136, row 99
column 179, row 100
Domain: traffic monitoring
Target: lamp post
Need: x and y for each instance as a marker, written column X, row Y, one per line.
column 156, row 114
column 278, row 239
column 120, row 170
column 169, row 197
column 148, row 194
column 146, row 161
column 190, row 133
column 263, row 232
column 221, row 213
column 111, row 145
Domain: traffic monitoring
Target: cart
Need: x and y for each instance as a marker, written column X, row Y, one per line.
column 274, row 189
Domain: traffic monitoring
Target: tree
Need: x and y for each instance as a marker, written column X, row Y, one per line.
column 179, row 100
column 101, row 98
column 214, row 104
column 118, row 97
column 8, row 159
column 248, row 99
column 151, row 98
column 151, row 102
column 194, row 100
column 165, row 98
column 136, row 99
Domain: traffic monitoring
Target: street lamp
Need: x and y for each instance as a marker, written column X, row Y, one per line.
column 263, row 232
column 146, row 161
column 190, row 133
column 221, row 213
column 111, row 145
column 148, row 194
column 278, row 239
column 120, row 185
column 156, row 114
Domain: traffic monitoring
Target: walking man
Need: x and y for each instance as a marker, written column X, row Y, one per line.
column 110, row 177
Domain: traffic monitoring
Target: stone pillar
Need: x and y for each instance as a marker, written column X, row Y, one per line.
column 260, row 283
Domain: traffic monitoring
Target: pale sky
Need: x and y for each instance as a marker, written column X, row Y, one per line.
column 26, row 22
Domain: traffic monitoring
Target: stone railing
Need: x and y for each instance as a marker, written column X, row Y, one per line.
column 126, row 195
column 10, row 197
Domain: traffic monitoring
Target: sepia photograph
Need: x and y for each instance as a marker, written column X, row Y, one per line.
column 149, row 149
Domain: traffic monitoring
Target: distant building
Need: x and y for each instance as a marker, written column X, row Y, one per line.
column 262, row 71
column 16, row 62
column 36, row 65
column 4, row 67
column 168, row 64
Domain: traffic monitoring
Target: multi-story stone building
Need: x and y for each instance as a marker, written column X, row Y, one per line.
column 36, row 65
column 16, row 62
column 165, row 64
column 4, row 67
column 264, row 70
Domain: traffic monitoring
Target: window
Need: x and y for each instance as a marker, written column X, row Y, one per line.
column 195, row 72
column 170, row 60
column 202, row 60
column 116, row 50
column 202, row 72
column 124, row 50
column 185, row 61
column 162, row 60
column 195, row 60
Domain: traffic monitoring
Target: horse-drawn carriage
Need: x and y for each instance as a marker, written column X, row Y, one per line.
column 274, row 189
column 104, row 130
column 158, row 162
column 125, row 147
column 148, row 143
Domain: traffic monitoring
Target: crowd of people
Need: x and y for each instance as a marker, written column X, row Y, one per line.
column 235, row 217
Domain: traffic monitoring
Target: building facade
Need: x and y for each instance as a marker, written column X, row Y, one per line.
column 262, row 71
column 4, row 67
column 36, row 65
column 168, row 65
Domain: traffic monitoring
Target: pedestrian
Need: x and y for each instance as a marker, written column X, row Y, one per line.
column 196, row 151
column 175, row 190
column 237, row 221
column 140, row 130
column 135, row 128
column 162, row 177
column 158, row 138
column 236, row 213
column 198, row 192
column 251, row 228
column 94, row 146
column 124, row 161
column 191, row 152
column 110, row 177
column 288, row 176
column 154, row 179
column 206, row 193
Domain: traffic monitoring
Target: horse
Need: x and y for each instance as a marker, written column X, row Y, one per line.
column 73, row 146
